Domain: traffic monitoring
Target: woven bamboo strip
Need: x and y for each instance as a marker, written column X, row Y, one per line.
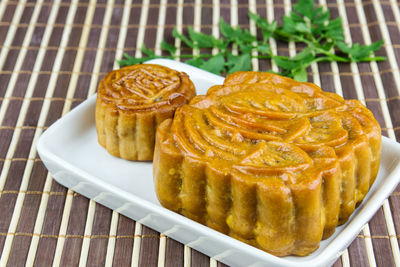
column 100, row 53
column 11, row 30
column 377, row 78
column 396, row 12
column 393, row 63
column 314, row 66
column 334, row 66
column 12, row 98
column 17, row 159
column 63, row 228
column 353, row 65
column 272, row 42
column 160, row 26
column 18, row 47
column 317, row 79
column 187, row 258
column 32, row 153
column 196, row 26
column 32, row 81
column 179, row 16
column 17, row 98
column 316, row 76
column 161, row 251
column 137, row 26
column 44, row 192
column 50, row 90
column 360, row 95
column 155, row 5
column 3, row 5
column 13, row 144
column 391, row 57
column 79, row 59
column 136, row 245
column 88, row 231
column 345, row 259
column 118, row 55
column 366, row 73
column 368, row 246
column 51, row 72
column 215, row 22
column 111, row 240
column 39, row 222
column 93, row 81
column 139, row 43
column 177, row 42
column 197, row 22
column 3, row 55
column 70, row 236
column 21, row 127
column 20, row 58
column 216, row 34
column 253, row 30
column 159, row 38
column 67, row 105
column 143, row 21
column 234, row 21
column 292, row 47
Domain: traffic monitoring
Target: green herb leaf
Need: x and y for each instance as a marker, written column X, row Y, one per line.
column 168, row 47
column 267, row 29
column 215, row 64
column 305, row 55
column 359, row 52
column 201, row 40
column 285, row 62
column 300, row 75
column 264, row 48
column 302, row 27
column 305, row 8
column 236, row 35
column 177, row 35
column 334, row 29
column 289, row 26
column 237, row 63
column 128, row 60
column 148, row 52
column 226, row 29
column 197, row 62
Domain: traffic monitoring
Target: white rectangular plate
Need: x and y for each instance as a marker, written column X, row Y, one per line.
column 70, row 151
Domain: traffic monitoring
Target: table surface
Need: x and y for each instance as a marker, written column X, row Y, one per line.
column 52, row 55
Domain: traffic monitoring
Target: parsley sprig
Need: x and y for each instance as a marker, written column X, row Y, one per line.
column 321, row 39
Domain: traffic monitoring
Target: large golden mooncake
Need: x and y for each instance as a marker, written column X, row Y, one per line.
column 270, row 161
column 132, row 102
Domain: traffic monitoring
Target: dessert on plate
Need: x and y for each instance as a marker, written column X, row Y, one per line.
column 270, row 161
column 132, row 102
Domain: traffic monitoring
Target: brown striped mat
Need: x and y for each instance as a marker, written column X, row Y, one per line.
column 52, row 54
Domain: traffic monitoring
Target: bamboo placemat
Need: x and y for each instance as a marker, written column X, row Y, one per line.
column 52, row 55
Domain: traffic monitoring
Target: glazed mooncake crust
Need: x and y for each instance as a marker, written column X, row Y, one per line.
column 132, row 102
column 268, row 160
